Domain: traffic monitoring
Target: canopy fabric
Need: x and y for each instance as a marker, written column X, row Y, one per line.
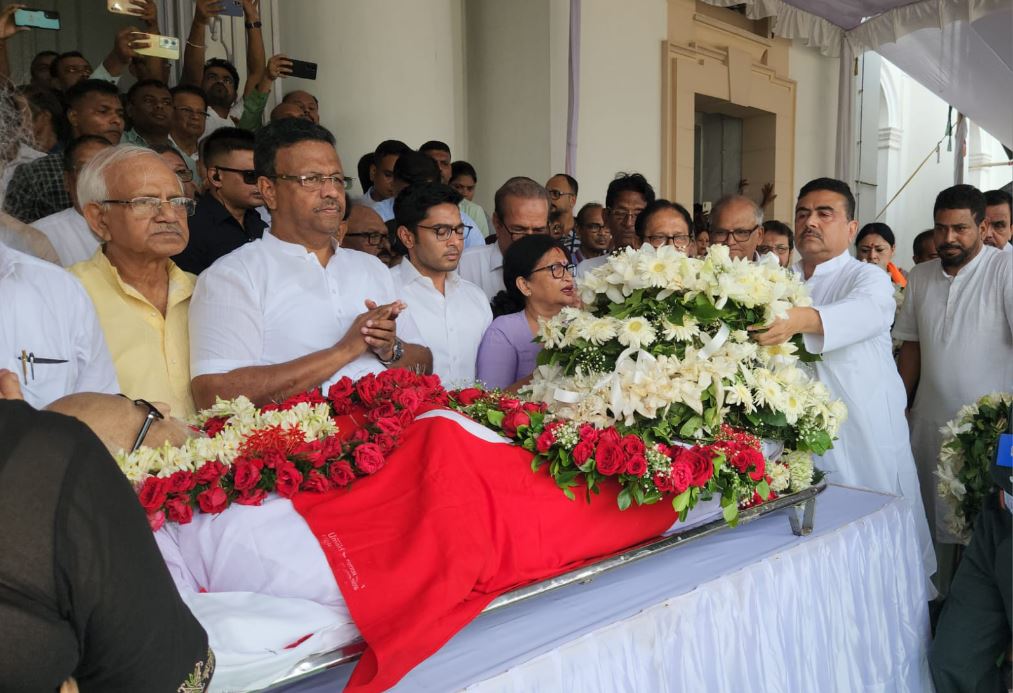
column 959, row 49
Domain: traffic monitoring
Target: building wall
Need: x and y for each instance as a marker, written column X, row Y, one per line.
column 816, row 77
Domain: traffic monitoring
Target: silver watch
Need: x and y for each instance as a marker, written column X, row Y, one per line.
column 396, row 356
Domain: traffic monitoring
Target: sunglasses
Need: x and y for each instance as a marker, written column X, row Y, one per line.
column 249, row 176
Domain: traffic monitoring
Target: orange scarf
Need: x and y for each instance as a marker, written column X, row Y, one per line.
column 896, row 275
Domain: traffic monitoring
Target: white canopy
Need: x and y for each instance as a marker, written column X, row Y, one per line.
column 962, row 50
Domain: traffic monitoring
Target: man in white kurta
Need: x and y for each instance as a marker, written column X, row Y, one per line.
column 957, row 327
column 849, row 328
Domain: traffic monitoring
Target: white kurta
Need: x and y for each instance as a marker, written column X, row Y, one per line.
column 483, row 266
column 856, row 305
column 70, row 235
column 964, row 329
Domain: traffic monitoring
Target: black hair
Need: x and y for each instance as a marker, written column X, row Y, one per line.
column 190, row 89
column 919, row 241
column 396, row 246
column 145, row 83
column 226, row 65
column 570, row 180
column 412, row 204
column 435, row 146
column 519, row 260
column 462, row 168
column 45, row 100
column 281, row 134
column 629, row 182
column 388, row 148
column 878, row 228
column 87, row 86
column 362, row 168
column 653, row 208
column 53, row 66
column 779, row 227
column 581, row 217
column 833, row 185
column 962, row 197
column 415, row 167
column 77, row 143
column 224, row 141
column 998, row 197
column 42, row 54
column 288, row 96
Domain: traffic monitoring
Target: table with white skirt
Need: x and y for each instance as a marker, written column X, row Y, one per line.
column 749, row 609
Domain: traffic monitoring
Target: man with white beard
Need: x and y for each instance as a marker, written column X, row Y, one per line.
column 849, row 328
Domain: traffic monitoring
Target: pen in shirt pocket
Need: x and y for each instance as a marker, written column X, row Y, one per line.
column 29, row 359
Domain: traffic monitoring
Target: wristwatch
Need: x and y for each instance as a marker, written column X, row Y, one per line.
column 253, row 25
column 396, row 356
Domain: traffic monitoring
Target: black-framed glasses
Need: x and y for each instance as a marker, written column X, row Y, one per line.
column 677, row 240
column 557, row 269
column 718, row 235
column 149, row 418
column 149, row 207
column 372, row 237
column 556, row 194
column 762, row 249
column 191, row 112
column 249, row 175
column 596, row 229
column 444, row 231
column 625, row 215
column 517, row 231
column 185, row 175
column 315, row 181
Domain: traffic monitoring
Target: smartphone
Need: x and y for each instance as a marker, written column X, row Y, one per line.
column 232, row 8
column 122, row 7
column 303, row 69
column 38, row 19
column 161, row 47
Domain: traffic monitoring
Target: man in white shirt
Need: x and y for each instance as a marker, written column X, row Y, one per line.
column 998, row 207
column 450, row 313
column 849, row 327
column 68, row 230
column 957, row 330
column 49, row 334
column 292, row 310
column 521, row 209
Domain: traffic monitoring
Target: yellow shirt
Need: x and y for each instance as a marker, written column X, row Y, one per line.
column 151, row 353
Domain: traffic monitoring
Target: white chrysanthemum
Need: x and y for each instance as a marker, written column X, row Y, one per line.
column 685, row 332
column 780, row 477
column 800, row 464
column 636, row 332
column 600, row 330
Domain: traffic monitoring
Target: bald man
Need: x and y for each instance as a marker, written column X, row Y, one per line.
column 288, row 110
column 366, row 232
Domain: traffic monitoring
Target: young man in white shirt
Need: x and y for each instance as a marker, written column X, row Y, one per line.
column 293, row 310
column 848, row 326
column 450, row 313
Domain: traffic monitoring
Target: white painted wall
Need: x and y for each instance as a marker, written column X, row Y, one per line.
column 815, row 114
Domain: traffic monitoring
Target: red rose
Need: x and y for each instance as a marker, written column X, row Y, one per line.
column 431, row 381
column 213, row 500
column 178, row 509
column 315, row 482
column 182, row 481
column 253, row 496
column 341, row 390
column 288, row 480
column 245, row 474
column 633, row 445
column 745, row 459
column 390, row 426
column 701, row 465
column 383, row 411
column 407, row 398
column 636, row 465
column 682, row 476
column 368, row 458
column 367, row 388
column 545, row 441
column 340, row 472
column 468, row 396
column 360, row 434
column 759, row 470
column 405, row 417
column 214, row 425
column 533, row 406
column 514, row 420
column 582, row 451
column 385, row 442
column 274, row 459
column 153, row 493
column 509, row 403
column 156, row 520
column 211, row 472
column 610, row 434
column 588, row 432
column 663, row 480
column 609, row 457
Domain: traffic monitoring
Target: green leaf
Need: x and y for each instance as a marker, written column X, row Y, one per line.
column 569, row 493
column 731, row 513
column 680, row 502
column 624, row 499
column 536, row 462
column 763, row 489
column 690, row 427
column 495, row 417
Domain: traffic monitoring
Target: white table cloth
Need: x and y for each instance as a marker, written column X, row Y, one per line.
column 753, row 609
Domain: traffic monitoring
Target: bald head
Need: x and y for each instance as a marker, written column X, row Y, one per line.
column 288, row 110
column 366, row 232
column 117, row 420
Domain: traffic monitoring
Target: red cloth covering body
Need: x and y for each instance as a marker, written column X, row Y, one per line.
column 453, row 521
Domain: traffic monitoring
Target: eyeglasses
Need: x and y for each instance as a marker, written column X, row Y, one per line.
column 596, row 229
column 625, row 215
column 224, row 79
column 372, row 237
column 772, row 249
column 721, row 235
column 443, row 231
column 249, row 175
column 152, row 415
column 185, row 175
column 191, row 113
column 149, row 207
column 556, row 194
column 77, row 69
column 315, row 181
column 679, row 241
column 516, row 231
column 557, row 269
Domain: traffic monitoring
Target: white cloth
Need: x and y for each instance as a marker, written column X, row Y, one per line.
column 45, row 312
column 856, row 305
column 451, row 324
column 23, row 156
column 585, row 266
column 70, row 235
column 385, row 208
column 17, row 235
column 964, row 329
column 215, row 121
column 270, row 302
column 483, row 266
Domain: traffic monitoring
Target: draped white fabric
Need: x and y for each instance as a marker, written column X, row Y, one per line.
column 752, row 609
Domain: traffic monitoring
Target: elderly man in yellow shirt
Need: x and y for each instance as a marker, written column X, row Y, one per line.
column 134, row 202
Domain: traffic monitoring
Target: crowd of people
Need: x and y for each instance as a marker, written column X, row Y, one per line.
column 211, row 254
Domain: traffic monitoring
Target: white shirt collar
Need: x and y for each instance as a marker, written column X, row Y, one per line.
column 409, row 274
column 294, row 249
column 825, row 267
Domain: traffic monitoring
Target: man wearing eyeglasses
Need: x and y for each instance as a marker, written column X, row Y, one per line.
column 366, row 232
column 226, row 216
column 135, row 204
column 521, row 209
column 295, row 310
column 626, row 197
column 737, row 222
column 189, row 113
column 450, row 313
column 595, row 236
column 562, row 191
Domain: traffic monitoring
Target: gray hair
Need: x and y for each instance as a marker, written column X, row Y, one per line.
column 730, row 200
column 92, row 186
column 522, row 187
